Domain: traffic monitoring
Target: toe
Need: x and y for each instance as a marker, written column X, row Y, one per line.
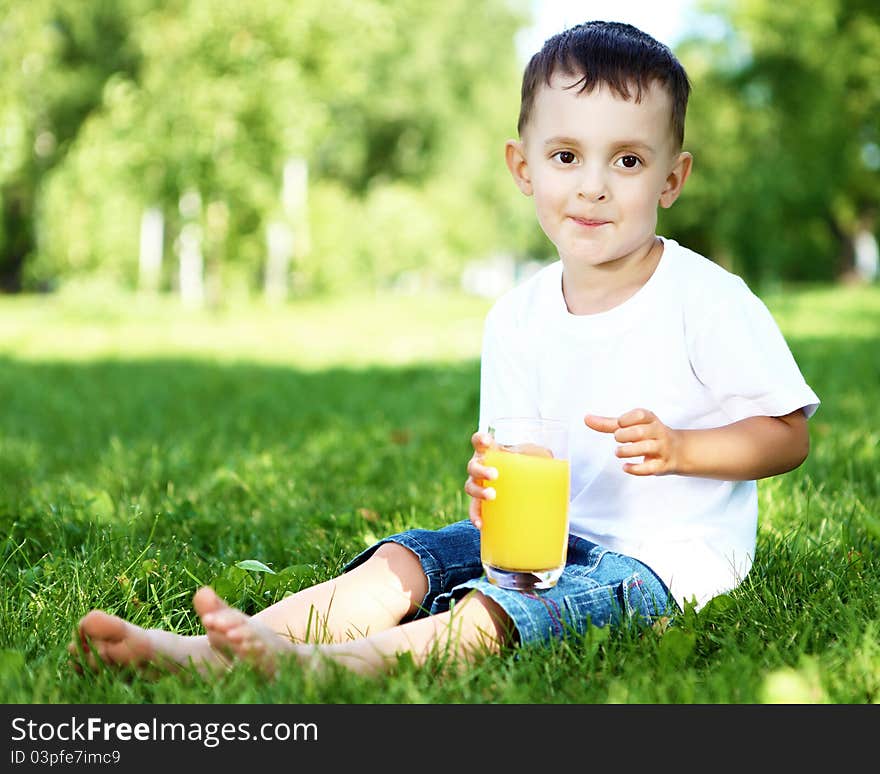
column 98, row 625
column 221, row 646
column 238, row 633
column 206, row 601
column 228, row 620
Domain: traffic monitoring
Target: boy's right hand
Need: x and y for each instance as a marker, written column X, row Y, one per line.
column 477, row 474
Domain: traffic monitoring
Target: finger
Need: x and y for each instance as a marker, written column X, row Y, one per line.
column 472, row 488
column 641, row 449
column 480, row 472
column 602, row 424
column 481, row 441
column 475, row 514
column 646, row 468
column 632, row 434
column 637, row 416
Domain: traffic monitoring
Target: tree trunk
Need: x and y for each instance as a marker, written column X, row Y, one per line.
column 191, row 276
column 17, row 236
column 150, row 262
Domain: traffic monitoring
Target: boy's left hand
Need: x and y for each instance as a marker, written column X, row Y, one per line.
column 641, row 434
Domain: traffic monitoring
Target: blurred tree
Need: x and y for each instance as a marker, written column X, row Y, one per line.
column 399, row 107
column 400, row 110
column 784, row 127
column 55, row 57
column 217, row 105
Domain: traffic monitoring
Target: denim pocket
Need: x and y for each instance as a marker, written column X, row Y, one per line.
column 611, row 591
column 644, row 598
column 595, row 604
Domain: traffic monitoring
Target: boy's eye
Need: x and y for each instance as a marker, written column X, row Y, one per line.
column 629, row 162
column 566, row 157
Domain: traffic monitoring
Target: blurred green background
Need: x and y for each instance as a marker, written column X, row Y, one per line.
column 291, row 148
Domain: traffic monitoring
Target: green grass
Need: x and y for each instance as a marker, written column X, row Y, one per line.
column 146, row 450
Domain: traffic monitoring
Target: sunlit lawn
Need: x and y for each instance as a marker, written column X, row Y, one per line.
column 146, row 449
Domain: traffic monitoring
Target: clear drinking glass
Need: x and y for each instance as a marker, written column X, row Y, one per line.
column 524, row 537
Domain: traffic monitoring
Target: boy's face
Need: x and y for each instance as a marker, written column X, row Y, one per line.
column 598, row 167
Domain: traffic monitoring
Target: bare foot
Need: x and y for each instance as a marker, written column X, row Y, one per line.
column 109, row 639
column 112, row 641
column 232, row 633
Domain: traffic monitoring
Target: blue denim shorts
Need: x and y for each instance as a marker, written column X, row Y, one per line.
column 597, row 587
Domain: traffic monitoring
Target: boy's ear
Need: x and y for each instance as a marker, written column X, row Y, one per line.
column 675, row 180
column 518, row 166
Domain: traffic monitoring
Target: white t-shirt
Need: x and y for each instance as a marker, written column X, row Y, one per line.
column 695, row 346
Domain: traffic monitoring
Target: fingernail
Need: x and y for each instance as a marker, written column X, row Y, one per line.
column 490, row 494
column 493, row 473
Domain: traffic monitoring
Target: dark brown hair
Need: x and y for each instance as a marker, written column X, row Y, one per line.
column 613, row 54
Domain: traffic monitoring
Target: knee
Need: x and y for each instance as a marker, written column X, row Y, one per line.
column 495, row 620
column 399, row 567
column 396, row 557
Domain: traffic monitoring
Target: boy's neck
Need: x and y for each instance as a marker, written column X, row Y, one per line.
column 595, row 289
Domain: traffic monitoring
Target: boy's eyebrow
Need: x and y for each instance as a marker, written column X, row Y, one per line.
column 635, row 144
column 563, row 140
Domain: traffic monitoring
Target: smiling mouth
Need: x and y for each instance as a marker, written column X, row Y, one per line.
column 589, row 222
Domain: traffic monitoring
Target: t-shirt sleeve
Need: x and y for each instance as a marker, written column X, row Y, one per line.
column 506, row 386
column 739, row 353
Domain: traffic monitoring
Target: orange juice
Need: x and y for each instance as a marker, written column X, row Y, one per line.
column 526, row 526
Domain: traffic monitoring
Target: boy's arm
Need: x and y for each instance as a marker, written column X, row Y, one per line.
column 752, row 448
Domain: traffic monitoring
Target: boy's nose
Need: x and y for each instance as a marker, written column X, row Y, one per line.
column 592, row 186
column 593, row 196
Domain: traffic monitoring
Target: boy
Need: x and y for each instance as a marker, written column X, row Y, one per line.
column 653, row 354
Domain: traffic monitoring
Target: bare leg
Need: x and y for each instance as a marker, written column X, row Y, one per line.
column 375, row 595
column 476, row 625
column 114, row 641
